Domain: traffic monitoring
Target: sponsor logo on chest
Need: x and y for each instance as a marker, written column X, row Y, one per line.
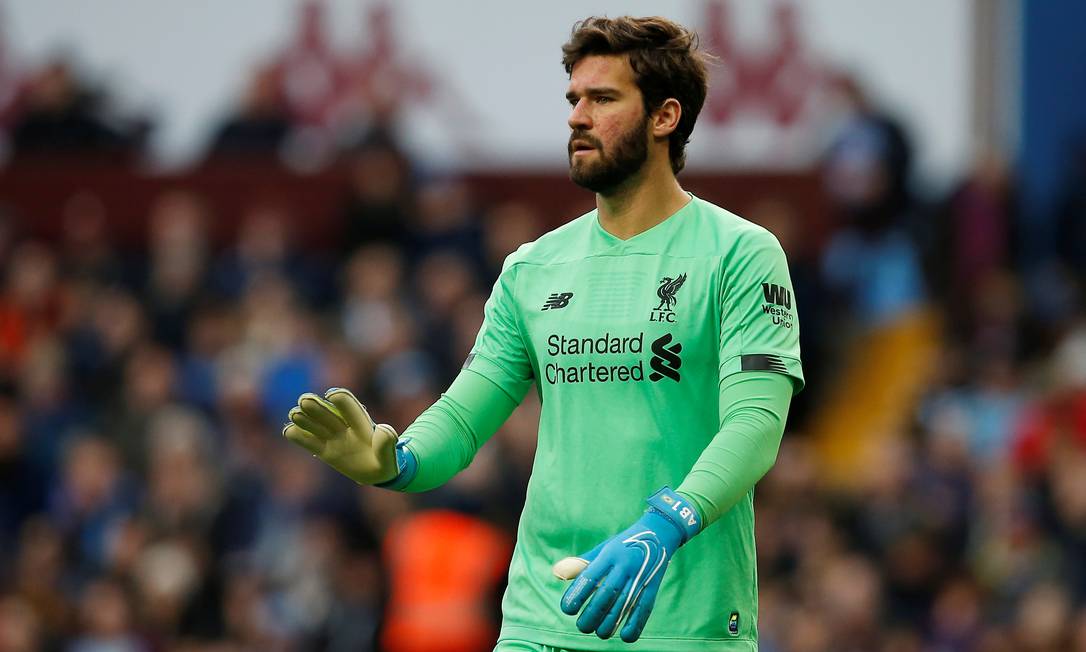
column 608, row 357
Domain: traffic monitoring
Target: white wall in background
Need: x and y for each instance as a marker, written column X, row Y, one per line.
column 188, row 59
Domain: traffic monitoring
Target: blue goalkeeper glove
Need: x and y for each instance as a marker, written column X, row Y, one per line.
column 625, row 571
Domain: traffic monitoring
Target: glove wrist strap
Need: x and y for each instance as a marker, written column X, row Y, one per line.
column 406, row 465
column 678, row 510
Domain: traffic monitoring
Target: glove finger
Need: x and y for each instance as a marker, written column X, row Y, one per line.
column 303, row 421
column 352, row 410
column 574, row 597
column 384, row 444
column 619, row 609
column 602, row 600
column 322, row 412
column 642, row 608
column 568, row 568
column 302, row 438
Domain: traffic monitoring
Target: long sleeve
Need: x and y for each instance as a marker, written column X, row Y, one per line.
column 445, row 437
column 753, row 410
column 494, row 380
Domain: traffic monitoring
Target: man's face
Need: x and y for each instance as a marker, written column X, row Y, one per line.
column 608, row 139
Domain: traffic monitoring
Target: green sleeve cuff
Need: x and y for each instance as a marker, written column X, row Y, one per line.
column 700, row 509
column 407, row 466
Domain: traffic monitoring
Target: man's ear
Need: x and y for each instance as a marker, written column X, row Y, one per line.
column 666, row 118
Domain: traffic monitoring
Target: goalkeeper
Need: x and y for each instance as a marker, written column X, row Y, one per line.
column 660, row 333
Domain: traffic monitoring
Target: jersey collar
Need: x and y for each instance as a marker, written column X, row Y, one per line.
column 655, row 234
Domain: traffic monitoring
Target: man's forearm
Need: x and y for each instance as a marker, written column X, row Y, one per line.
column 445, row 437
column 753, row 408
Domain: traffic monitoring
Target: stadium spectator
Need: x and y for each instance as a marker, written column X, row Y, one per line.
column 60, row 115
column 1071, row 220
column 179, row 253
column 505, row 227
column 106, row 618
column 979, row 226
column 380, row 199
column 266, row 246
column 30, row 303
column 260, row 125
column 872, row 263
column 20, row 627
column 23, row 484
column 374, row 296
column 447, row 221
column 87, row 255
column 432, row 609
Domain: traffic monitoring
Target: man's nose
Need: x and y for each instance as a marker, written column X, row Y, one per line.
column 578, row 117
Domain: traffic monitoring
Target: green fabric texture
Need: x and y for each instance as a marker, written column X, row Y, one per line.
column 664, row 359
column 446, row 436
column 753, row 410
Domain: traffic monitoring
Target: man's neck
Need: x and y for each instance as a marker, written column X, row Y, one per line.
column 645, row 200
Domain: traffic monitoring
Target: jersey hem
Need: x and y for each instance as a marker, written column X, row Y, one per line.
column 592, row 642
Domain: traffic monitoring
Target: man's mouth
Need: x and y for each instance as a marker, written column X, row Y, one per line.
column 581, row 147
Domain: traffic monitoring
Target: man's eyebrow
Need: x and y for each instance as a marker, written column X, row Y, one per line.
column 593, row 92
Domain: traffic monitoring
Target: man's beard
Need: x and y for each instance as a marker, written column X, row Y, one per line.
column 611, row 170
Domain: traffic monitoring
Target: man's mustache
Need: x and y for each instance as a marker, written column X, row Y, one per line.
column 580, row 135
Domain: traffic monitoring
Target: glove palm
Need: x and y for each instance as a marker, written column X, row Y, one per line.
column 338, row 430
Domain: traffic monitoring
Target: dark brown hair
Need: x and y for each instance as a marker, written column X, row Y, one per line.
column 666, row 63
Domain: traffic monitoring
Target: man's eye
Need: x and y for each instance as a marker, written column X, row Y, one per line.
column 602, row 99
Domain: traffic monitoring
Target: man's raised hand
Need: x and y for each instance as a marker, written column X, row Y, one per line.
column 337, row 429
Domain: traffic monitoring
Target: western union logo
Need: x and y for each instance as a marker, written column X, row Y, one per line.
column 777, row 295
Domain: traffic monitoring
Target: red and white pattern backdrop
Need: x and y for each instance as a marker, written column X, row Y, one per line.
column 481, row 83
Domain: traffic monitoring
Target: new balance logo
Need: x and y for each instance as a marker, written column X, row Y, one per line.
column 665, row 360
column 777, row 295
column 557, row 300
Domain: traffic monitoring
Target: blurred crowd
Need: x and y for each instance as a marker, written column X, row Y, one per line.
column 966, row 531
column 146, row 497
column 147, row 501
column 301, row 106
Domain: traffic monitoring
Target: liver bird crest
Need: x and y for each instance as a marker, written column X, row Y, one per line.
column 668, row 287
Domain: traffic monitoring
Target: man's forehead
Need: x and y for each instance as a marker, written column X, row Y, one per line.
column 602, row 70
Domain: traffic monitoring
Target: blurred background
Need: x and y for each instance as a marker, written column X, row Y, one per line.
column 208, row 208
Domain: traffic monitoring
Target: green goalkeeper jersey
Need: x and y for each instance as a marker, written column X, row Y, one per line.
column 626, row 342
